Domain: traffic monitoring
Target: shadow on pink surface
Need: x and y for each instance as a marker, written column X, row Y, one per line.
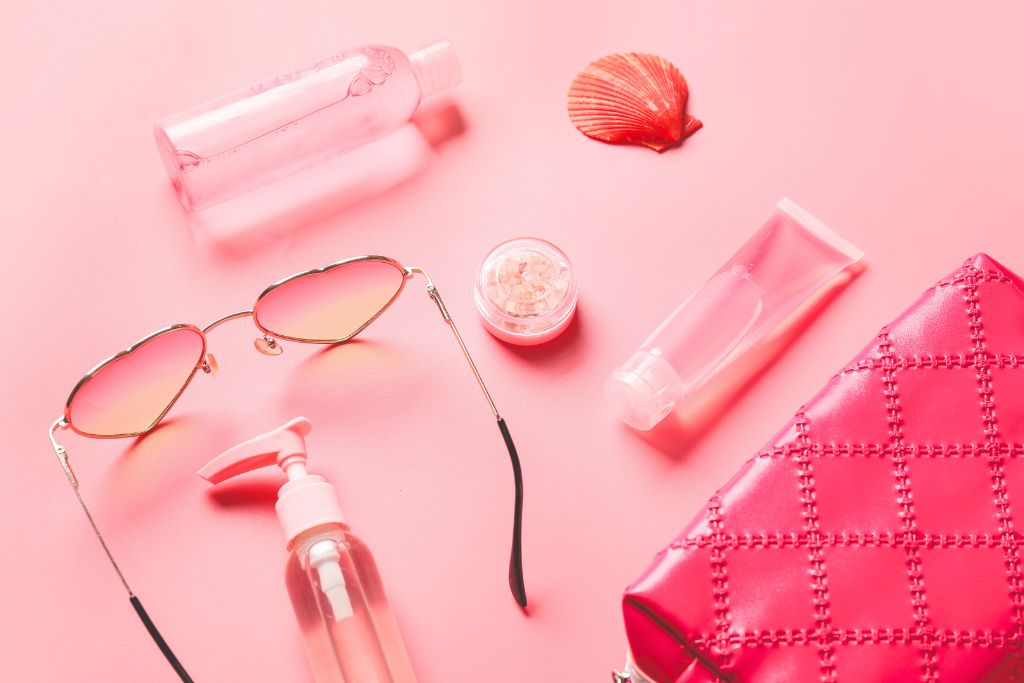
column 340, row 370
column 255, row 491
column 166, row 452
column 164, row 439
column 307, row 199
column 684, row 428
column 138, row 445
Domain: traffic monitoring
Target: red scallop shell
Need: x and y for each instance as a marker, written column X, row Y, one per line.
column 631, row 97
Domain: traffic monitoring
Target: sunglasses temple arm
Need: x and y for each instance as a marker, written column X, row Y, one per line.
column 62, row 456
column 516, row 581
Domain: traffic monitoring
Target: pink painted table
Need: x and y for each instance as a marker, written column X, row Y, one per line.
column 896, row 123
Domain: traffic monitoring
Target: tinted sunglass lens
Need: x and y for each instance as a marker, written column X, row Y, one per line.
column 129, row 394
column 331, row 305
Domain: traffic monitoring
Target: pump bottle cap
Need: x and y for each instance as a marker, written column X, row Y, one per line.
column 306, row 500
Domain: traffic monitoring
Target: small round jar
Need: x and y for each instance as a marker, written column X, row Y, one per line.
column 526, row 291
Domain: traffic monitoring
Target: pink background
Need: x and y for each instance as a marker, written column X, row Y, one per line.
column 899, row 124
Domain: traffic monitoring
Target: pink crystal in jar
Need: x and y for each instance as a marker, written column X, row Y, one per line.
column 526, row 291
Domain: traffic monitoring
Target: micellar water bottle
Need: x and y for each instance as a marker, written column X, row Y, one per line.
column 280, row 126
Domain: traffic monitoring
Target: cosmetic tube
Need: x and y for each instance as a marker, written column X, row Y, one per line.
column 792, row 258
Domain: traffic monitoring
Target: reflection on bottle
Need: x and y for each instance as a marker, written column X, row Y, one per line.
column 316, row 192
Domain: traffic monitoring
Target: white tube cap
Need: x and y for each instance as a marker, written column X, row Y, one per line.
column 644, row 390
column 436, row 67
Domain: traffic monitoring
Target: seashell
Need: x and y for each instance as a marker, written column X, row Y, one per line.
column 631, row 97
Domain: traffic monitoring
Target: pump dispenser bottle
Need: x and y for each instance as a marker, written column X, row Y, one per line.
column 350, row 633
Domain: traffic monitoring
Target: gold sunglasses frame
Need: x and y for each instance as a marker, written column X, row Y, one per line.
column 516, row 580
column 118, row 356
column 407, row 274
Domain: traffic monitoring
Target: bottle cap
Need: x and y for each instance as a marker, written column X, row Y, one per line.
column 641, row 392
column 306, row 500
column 436, row 67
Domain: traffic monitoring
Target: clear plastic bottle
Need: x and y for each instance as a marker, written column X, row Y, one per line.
column 786, row 264
column 349, row 630
column 277, row 127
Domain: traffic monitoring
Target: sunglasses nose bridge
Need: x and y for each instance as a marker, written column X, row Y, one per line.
column 220, row 321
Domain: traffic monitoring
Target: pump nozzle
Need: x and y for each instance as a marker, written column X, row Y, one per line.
column 284, row 446
column 305, row 502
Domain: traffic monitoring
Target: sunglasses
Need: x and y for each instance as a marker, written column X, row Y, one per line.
column 130, row 393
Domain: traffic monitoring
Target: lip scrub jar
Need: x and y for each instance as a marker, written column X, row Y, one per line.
column 526, row 291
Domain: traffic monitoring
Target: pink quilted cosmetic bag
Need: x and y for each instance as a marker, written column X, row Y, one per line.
column 875, row 538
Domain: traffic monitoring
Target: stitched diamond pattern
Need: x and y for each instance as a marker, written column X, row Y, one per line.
column 875, row 538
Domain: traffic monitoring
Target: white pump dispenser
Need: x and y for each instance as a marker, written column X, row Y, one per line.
column 349, row 630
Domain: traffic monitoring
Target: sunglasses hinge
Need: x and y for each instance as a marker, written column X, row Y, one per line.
column 62, row 453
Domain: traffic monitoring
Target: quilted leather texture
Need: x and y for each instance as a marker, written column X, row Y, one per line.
column 875, row 538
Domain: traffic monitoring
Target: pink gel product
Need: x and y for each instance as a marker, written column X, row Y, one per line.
column 278, row 127
column 347, row 625
column 526, row 291
column 790, row 260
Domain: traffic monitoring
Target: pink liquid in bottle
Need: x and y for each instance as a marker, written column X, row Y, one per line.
column 347, row 625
